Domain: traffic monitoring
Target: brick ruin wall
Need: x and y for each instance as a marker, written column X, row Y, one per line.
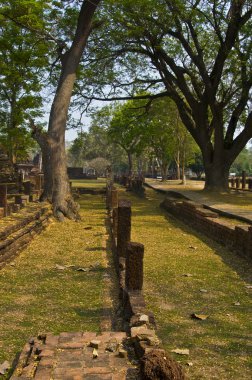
column 236, row 237
column 20, row 231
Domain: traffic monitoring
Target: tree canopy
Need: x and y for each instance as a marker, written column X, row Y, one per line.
column 196, row 52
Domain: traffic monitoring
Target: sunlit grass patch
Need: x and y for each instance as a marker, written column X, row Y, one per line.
column 37, row 296
column 89, row 183
column 186, row 273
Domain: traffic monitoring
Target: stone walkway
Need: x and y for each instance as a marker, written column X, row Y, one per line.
column 77, row 356
column 226, row 209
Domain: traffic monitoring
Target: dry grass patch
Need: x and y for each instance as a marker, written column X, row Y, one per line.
column 187, row 273
column 37, row 296
column 238, row 200
column 89, row 183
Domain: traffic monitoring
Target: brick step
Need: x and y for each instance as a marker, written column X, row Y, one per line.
column 77, row 356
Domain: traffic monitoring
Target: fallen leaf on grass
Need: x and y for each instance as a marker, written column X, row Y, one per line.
column 187, row 275
column 237, row 303
column 248, row 286
column 181, row 351
column 189, row 364
column 4, row 367
column 201, row 317
column 203, row 291
column 192, row 247
column 88, row 228
column 60, row 267
column 83, row 269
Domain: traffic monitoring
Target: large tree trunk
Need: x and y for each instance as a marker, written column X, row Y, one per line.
column 164, row 169
column 216, row 176
column 177, row 161
column 44, row 142
column 130, row 163
column 47, row 170
column 63, row 204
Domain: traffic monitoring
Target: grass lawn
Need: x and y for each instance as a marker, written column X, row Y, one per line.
column 37, row 296
column 238, row 200
column 89, row 183
column 220, row 346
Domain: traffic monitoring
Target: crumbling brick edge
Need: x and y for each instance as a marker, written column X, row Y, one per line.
column 16, row 236
column 237, row 238
column 139, row 321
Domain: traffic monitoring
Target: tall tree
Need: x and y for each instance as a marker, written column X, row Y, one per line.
column 127, row 129
column 70, row 47
column 23, row 62
column 196, row 52
column 62, row 201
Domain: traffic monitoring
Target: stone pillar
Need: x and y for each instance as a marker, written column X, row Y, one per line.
column 250, row 183
column 243, row 180
column 27, row 187
column 232, row 182
column 134, row 266
column 108, row 195
column 249, row 243
column 38, row 183
column 124, row 227
column 114, row 208
column 114, row 198
column 237, row 182
column 3, row 198
column 115, row 221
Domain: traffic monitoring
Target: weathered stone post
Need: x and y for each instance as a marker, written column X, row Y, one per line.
column 114, row 198
column 249, row 243
column 243, row 179
column 237, row 182
column 114, row 206
column 27, row 187
column 3, row 198
column 134, row 266
column 250, row 183
column 38, row 183
column 124, row 227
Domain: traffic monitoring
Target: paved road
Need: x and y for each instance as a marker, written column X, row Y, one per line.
column 242, row 211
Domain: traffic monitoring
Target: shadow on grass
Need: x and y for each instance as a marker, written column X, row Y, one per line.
column 88, row 313
column 94, row 249
column 241, row 265
column 150, row 207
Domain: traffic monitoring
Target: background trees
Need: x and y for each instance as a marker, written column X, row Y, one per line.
column 23, row 63
column 199, row 54
column 67, row 26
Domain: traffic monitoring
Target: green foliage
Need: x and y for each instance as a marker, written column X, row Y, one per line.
column 197, row 52
column 23, row 62
column 243, row 163
column 127, row 127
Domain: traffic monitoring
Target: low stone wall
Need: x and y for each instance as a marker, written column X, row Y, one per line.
column 128, row 259
column 237, row 238
column 77, row 173
column 18, row 230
